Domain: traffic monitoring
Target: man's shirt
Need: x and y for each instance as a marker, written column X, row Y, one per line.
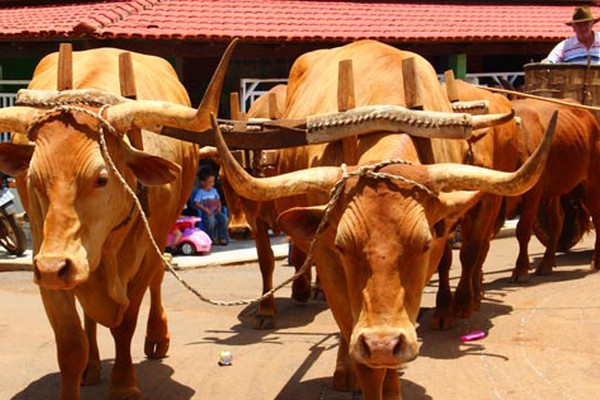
column 572, row 51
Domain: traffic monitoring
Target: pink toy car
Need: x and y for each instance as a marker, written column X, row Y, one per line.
column 193, row 239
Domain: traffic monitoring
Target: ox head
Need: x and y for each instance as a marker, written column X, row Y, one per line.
column 383, row 238
column 76, row 203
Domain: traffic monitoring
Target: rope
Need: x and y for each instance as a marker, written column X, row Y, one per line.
column 533, row 96
column 368, row 171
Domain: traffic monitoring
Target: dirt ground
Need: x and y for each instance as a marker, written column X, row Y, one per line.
column 541, row 340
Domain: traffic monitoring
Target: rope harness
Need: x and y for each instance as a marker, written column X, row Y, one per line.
column 366, row 171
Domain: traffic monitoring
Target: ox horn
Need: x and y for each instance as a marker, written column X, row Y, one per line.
column 16, row 119
column 389, row 118
column 313, row 180
column 153, row 113
column 476, row 107
column 448, row 177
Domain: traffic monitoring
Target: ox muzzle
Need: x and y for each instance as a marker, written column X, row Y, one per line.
column 384, row 347
column 56, row 272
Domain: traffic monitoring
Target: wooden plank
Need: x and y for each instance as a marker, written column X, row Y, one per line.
column 412, row 90
column 65, row 67
column 272, row 106
column 234, row 104
column 414, row 99
column 126, row 76
column 127, row 83
column 346, row 101
column 451, row 89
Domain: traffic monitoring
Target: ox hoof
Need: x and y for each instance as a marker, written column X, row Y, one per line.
column 441, row 322
column 344, row 380
column 125, row 394
column 544, row 270
column 91, row 375
column 156, row 349
column 301, row 296
column 263, row 322
column 519, row 276
column 318, row 294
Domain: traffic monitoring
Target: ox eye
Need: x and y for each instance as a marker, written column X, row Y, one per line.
column 102, row 179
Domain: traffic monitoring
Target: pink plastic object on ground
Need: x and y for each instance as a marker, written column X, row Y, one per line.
column 475, row 335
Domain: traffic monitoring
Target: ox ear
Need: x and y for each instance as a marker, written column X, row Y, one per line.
column 152, row 170
column 301, row 223
column 454, row 205
column 15, row 158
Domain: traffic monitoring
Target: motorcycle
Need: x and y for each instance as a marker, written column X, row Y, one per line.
column 12, row 235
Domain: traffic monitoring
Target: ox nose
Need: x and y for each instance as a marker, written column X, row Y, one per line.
column 52, row 272
column 389, row 348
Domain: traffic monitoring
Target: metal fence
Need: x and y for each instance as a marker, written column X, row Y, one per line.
column 7, row 99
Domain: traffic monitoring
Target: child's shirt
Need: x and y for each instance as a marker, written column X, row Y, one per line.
column 209, row 199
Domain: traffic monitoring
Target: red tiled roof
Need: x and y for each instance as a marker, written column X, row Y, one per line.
column 289, row 20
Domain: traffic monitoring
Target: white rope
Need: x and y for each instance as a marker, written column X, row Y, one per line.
column 363, row 171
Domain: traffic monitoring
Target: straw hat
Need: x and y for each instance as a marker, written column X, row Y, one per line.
column 582, row 14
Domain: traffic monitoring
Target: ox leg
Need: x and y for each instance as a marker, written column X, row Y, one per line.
column 71, row 343
column 531, row 202
column 301, row 289
column 371, row 382
column 157, row 332
column 91, row 375
column 344, row 378
column 592, row 201
column 123, row 384
column 555, row 217
column 442, row 318
column 391, row 385
column 265, row 318
column 474, row 250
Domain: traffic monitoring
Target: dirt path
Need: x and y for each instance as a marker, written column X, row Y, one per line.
column 541, row 344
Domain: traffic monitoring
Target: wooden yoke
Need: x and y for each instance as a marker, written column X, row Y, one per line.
column 451, row 90
column 414, row 99
column 64, row 80
column 239, row 125
column 128, row 90
column 346, row 101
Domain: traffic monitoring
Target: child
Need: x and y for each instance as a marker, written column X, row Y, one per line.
column 208, row 202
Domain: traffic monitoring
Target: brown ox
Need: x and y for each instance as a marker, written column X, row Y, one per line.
column 254, row 218
column 574, row 159
column 384, row 238
column 497, row 148
column 89, row 241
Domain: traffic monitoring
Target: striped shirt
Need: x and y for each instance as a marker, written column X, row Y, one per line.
column 571, row 51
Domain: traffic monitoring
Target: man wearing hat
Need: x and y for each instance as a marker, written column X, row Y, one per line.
column 585, row 43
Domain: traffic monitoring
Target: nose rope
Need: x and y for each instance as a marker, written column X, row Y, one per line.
column 365, row 171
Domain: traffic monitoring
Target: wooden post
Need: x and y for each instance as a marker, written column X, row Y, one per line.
column 458, row 63
column 127, row 84
column 451, row 89
column 65, row 67
column 239, row 125
column 346, row 101
column 414, row 100
column 412, row 90
column 272, row 106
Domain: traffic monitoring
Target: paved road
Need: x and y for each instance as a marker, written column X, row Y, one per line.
column 542, row 340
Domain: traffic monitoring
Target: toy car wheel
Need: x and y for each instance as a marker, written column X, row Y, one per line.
column 187, row 248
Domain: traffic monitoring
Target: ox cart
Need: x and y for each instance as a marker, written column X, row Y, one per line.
column 565, row 81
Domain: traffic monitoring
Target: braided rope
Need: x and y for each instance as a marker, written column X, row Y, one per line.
column 363, row 171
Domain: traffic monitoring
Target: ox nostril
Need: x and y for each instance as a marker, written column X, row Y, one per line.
column 64, row 271
column 36, row 272
column 364, row 347
column 399, row 345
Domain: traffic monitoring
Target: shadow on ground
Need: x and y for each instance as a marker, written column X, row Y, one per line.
column 290, row 314
column 153, row 377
